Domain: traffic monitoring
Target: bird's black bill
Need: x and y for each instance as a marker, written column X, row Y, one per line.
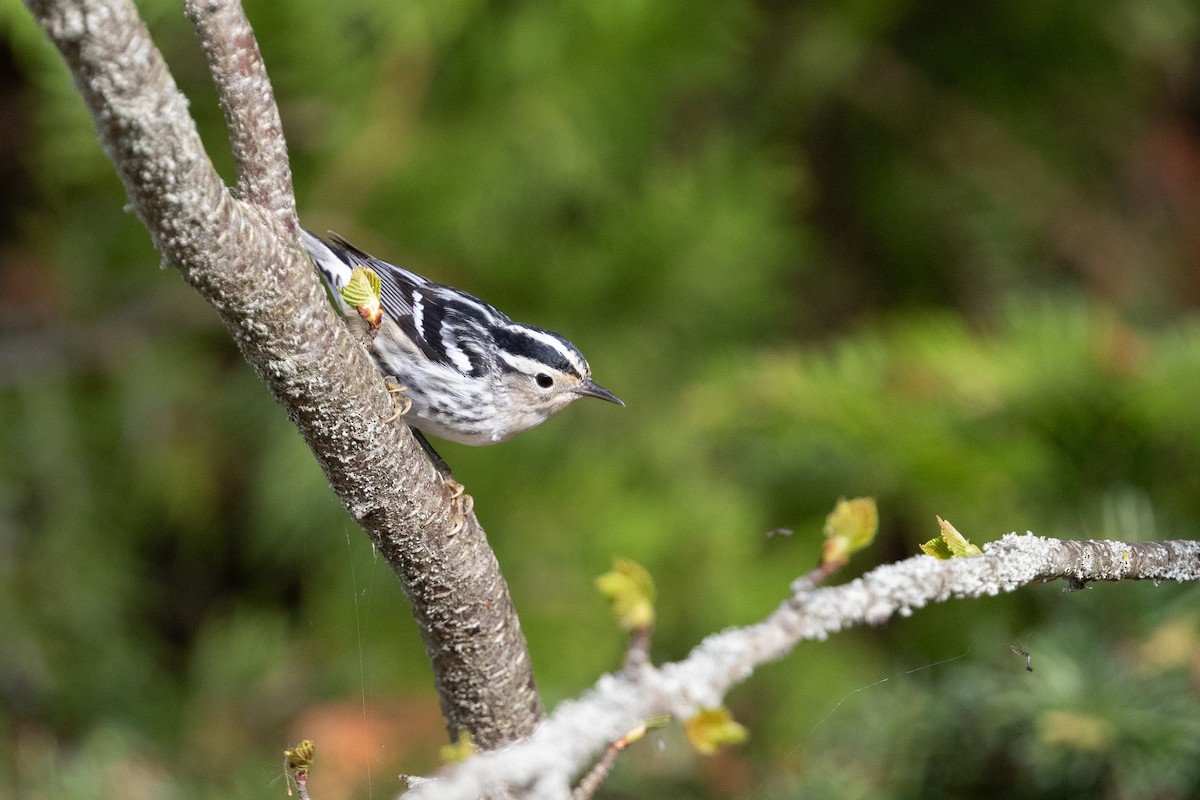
column 590, row 388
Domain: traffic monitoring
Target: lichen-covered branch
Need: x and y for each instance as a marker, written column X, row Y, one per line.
column 242, row 254
column 251, row 116
column 544, row 765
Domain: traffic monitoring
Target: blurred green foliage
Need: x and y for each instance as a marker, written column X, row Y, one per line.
column 945, row 255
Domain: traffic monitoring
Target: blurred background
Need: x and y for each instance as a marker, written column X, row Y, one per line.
column 943, row 254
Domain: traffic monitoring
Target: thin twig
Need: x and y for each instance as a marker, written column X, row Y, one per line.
column 600, row 770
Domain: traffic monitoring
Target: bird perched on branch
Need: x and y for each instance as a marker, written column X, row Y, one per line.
column 472, row 375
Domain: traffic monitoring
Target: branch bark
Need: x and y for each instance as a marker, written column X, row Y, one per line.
column 264, row 177
column 544, row 765
column 241, row 252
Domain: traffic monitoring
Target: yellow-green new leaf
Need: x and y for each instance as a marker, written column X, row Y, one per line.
column 301, row 756
column 937, row 548
column 713, row 728
column 364, row 285
column 630, row 589
column 952, row 544
column 850, row 527
column 362, row 293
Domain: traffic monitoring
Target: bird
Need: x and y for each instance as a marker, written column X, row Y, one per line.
column 472, row 375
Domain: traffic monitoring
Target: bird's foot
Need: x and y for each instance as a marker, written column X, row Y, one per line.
column 401, row 405
column 463, row 503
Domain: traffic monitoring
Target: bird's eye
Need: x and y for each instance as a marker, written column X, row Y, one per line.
column 544, row 380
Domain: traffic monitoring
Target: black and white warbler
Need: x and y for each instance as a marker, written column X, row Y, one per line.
column 473, row 375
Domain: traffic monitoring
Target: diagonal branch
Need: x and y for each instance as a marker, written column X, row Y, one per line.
column 142, row 120
column 242, row 255
column 251, row 116
column 544, row 764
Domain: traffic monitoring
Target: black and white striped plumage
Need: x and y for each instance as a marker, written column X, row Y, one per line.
column 473, row 375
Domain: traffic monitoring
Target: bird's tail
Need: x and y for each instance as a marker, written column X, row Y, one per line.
column 334, row 269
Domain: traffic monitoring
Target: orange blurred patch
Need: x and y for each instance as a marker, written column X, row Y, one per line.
column 357, row 748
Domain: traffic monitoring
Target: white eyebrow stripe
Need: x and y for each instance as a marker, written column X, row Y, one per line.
column 569, row 353
column 522, row 364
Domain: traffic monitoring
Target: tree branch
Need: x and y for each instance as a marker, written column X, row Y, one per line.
column 243, row 256
column 543, row 765
column 248, row 101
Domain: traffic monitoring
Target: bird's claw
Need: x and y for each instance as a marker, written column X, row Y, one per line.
column 464, row 503
column 400, row 409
